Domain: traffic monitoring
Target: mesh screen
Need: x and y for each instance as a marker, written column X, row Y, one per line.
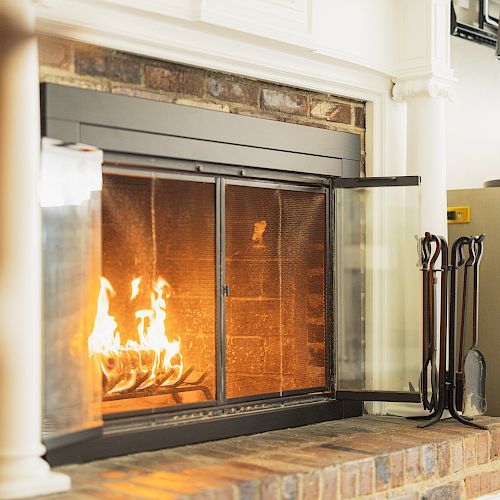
column 275, row 312
column 163, row 228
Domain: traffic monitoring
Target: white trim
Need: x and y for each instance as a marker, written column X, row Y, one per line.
column 426, row 86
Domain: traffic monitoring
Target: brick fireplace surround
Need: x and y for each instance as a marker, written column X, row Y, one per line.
column 364, row 457
column 368, row 457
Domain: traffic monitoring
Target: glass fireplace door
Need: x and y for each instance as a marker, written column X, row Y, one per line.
column 378, row 289
column 213, row 291
column 275, row 287
column 155, row 331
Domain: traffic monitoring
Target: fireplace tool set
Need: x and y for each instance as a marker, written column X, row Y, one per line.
column 457, row 381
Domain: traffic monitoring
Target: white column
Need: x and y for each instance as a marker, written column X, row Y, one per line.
column 22, row 470
column 426, row 146
column 425, row 157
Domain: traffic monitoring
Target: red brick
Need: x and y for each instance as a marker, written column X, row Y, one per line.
column 359, row 117
column 429, row 460
column 228, row 493
column 469, row 450
column 270, row 488
column 457, row 456
column 202, row 495
column 54, row 52
column 412, row 464
column 290, row 487
column 284, row 102
column 330, row 482
column 235, row 471
column 382, row 472
column 249, row 489
column 487, row 482
column 452, row 491
column 140, row 491
column 473, row 486
column 123, row 69
column 311, row 484
column 276, row 467
column 233, row 90
column 331, row 111
column 100, row 62
column 483, row 447
column 495, row 444
column 495, row 481
column 173, row 78
column 170, row 482
column 397, row 460
column 349, row 479
column 366, row 476
column 443, row 458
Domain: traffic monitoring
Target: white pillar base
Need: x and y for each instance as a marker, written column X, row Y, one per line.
column 30, row 485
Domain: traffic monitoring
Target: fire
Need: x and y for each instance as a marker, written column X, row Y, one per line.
column 152, row 361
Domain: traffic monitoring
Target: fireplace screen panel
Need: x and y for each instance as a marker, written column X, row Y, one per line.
column 378, row 292
column 158, row 250
column 275, row 273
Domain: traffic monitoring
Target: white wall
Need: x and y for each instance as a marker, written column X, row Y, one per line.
column 363, row 32
column 473, row 120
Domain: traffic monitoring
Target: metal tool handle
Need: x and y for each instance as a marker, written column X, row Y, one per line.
column 478, row 243
column 433, row 319
column 426, row 355
column 465, row 300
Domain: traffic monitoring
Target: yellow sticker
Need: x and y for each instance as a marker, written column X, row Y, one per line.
column 458, row 215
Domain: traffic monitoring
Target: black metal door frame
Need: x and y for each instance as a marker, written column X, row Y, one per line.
column 300, row 183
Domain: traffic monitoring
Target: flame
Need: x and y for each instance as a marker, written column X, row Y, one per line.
column 135, row 288
column 151, row 361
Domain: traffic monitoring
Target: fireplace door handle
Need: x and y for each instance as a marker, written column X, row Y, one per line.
column 225, row 290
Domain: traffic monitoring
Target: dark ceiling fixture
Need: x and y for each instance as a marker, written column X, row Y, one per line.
column 477, row 34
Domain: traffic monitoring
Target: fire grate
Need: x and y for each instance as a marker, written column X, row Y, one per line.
column 185, row 384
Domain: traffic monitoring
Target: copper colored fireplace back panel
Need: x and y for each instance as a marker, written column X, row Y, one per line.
column 275, row 271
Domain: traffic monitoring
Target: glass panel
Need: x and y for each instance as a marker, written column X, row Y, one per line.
column 71, row 265
column 70, row 197
column 275, row 270
column 156, row 343
column 377, row 283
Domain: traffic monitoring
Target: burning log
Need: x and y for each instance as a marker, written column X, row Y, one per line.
column 154, row 361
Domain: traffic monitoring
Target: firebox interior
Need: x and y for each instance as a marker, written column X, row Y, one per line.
column 159, row 255
column 160, row 229
column 275, row 274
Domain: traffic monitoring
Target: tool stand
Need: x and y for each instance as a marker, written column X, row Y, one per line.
column 446, row 396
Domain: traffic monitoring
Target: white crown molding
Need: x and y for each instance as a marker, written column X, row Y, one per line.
column 424, row 86
column 210, row 46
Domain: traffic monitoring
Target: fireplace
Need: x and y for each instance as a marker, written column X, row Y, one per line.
column 159, row 261
column 222, row 305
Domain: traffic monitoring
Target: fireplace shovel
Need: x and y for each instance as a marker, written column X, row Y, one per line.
column 460, row 383
column 475, row 364
column 426, row 254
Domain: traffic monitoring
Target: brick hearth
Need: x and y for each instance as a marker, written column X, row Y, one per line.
column 372, row 457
